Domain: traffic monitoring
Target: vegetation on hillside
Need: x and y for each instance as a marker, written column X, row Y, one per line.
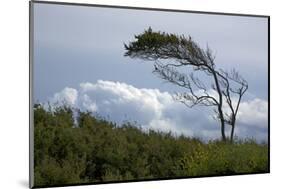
column 92, row 149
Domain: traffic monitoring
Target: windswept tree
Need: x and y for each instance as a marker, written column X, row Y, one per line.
column 173, row 55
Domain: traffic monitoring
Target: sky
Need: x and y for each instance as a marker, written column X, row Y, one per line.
column 79, row 59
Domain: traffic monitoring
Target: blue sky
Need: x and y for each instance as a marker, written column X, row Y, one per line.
column 78, row 56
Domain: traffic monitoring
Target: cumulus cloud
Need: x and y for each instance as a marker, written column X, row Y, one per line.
column 67, row 95
column 154, row 109
column 254, row 113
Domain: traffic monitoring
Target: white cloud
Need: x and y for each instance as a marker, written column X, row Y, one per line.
column 67, row 95
column 153, row 109
column 254, row 113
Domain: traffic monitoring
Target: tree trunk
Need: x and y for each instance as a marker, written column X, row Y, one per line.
column 220, row 104
column 223, row 131
column 232, row 131
column 222, row 124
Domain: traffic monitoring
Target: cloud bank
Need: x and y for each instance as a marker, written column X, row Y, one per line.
column 153, row 109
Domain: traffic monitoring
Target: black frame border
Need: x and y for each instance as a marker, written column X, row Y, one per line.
column 31, row 50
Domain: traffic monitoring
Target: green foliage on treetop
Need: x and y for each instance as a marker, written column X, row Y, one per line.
column 153, row 45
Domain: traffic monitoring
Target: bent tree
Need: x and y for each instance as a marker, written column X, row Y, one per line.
column 173, row 54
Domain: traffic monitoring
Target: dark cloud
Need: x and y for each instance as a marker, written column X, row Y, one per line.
column 76, row 44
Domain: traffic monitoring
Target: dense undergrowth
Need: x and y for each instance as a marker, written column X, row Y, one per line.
column 96, row 150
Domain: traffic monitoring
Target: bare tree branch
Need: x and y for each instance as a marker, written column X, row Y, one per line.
column 183, row 52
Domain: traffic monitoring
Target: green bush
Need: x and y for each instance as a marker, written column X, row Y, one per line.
column 97, row 150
